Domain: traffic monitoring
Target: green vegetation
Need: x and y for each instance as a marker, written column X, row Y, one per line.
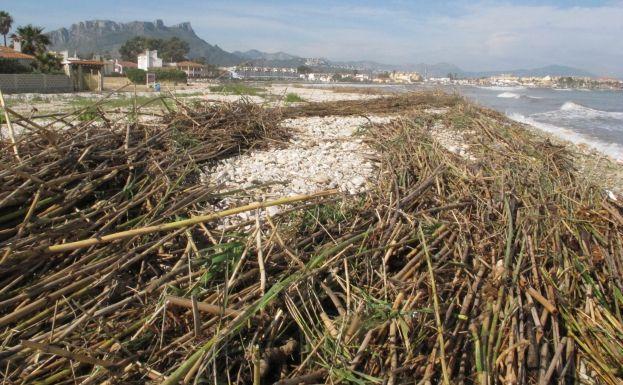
column 237, row 89
column 172, row 50
column 48, row 62
column 170, row 75
column 12, row 66
column 303, row 69
column 33, row 40
column 138, row 76
column 293, row 98
column 88, row 115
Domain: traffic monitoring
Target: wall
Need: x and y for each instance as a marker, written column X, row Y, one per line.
column 39, row 83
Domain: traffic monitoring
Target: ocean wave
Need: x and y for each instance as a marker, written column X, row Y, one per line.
column 613, row 150
column 513, row 95
column 572, row 107
column 503, row 88
column 510, row 95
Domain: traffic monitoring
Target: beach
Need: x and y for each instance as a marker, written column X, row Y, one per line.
column 238, row 226
column 585, row 131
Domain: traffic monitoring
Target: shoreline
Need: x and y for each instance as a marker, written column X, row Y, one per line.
column 594, row 164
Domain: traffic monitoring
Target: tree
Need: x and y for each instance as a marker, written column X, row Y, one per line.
column 133, row 47
column 12, row 66
column 303, row 70
column 174, row 49
column 48, row 62
column 135, row 75
column 6, row 21
column 32, row 38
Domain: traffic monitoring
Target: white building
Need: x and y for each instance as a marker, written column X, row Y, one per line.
column 149, row 60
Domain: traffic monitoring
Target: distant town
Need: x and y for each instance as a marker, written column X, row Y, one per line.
column 149, row 68
column 399, row 77
column 28, row 65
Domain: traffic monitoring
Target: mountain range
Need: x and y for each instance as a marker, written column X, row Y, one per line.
column 105, row 37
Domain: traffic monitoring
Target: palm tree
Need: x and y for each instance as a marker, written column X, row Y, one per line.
column 5, row 24
column 32, row 38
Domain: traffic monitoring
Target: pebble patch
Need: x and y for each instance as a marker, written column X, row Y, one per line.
column 324, row 153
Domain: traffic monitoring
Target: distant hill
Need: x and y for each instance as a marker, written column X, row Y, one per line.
column 259, row 55
column 436, row 70
column 105, row 37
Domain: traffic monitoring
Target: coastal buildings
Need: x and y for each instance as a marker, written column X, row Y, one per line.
column 148, row 60
column 16, row 54
column 265, row 73
column 119, row 66
column 505, row 80
column 193, row 70
column 316, row 62
column 85, row 75
column 405, row 77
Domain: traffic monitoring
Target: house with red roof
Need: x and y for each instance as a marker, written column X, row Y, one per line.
column 192, row 69
column 16, row 54
column 120, row 66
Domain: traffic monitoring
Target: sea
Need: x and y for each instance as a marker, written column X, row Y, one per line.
column 590, row 117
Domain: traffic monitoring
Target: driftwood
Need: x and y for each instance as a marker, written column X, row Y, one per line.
column 502, row 267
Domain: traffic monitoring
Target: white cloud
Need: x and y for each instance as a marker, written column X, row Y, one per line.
column 476, row 36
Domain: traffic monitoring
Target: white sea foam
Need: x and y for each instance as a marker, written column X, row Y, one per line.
column 503, row 88
column 613, row 150
column 509, row 95
column 588, row 112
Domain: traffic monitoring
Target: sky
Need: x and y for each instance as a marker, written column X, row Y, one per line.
column 474, row 35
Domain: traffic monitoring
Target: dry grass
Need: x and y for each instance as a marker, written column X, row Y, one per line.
column 504, row 269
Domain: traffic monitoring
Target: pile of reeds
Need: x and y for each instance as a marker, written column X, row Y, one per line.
column 398, row 103
column 499, row 268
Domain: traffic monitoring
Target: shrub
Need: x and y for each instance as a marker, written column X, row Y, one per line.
column 136, row 76
column 88, row 115
column 172, row 75
column 12, row 66
column 237, row 89
column 293, row 98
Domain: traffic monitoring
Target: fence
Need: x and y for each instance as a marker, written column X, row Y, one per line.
column 38, row 83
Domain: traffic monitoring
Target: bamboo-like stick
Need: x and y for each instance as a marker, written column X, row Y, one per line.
column 10, row 127
column 67, row 354
column 183, row 223
column 542, row 300
column 202, row 306
column 444, row 368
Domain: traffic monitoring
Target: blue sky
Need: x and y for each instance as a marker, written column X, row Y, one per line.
column 475, row 35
